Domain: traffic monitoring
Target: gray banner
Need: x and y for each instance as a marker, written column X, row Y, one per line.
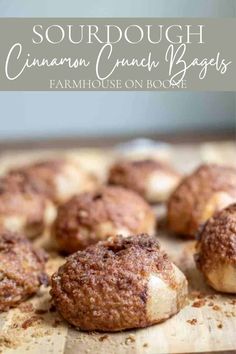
column 41, row 54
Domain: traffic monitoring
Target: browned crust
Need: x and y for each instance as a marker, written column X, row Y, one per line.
column 40, row 176
column 122, row 207
column 134, row 174
column 217, row 240
column 17, row 198
column 15, row 183
column 21, row 269
column 105, row 287
column 186, row 204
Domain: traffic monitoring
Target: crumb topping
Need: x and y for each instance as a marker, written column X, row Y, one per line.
column 105, row 286
column 187, row 202
column 134, row 174
column 123, row 208
column 21, row 269
column 217, row 240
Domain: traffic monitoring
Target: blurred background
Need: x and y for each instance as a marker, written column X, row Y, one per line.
column 47, row 115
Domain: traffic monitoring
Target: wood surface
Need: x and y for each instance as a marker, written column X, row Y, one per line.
column 206, row 324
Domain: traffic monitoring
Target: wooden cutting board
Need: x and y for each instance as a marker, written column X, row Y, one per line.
column 206, row 324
